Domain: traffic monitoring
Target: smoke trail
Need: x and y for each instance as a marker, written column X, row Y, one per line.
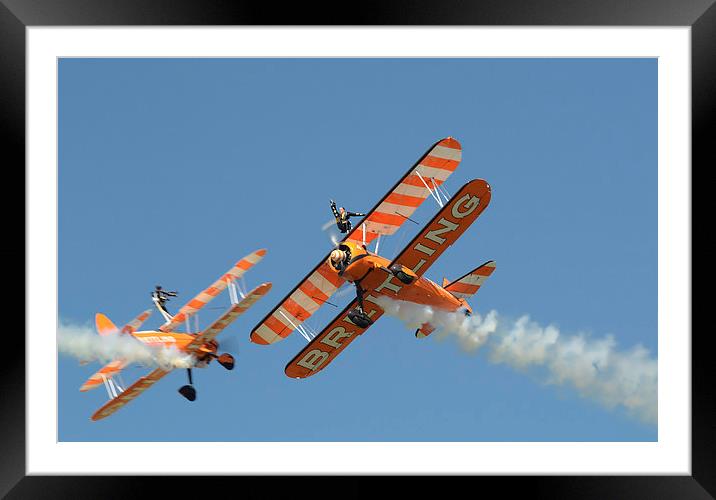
column 593, row 367
column 82, row 343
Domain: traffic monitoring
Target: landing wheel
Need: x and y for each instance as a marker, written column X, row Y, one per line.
column 188, row 392
column 226, row 360
column 359, row 318
column 404, row 277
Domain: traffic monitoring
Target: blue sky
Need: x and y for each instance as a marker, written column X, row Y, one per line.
column 171, row 170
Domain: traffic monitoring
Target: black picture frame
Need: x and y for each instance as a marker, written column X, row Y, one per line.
column 16, row 15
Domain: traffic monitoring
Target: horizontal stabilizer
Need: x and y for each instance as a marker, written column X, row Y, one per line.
column 134, row 325
column 424, row 330
column 107, row 371
column 468, row 285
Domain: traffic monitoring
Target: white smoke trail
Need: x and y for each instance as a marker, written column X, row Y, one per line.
column 593, row 367
column 82, row 343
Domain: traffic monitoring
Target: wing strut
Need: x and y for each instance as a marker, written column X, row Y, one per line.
column 304, row 333
column 443, row 190
column 113, row 389
column 435, row 196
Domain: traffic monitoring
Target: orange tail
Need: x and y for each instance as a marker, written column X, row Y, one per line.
column 104, row 325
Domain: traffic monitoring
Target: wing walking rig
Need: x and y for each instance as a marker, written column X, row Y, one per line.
column 374, row 276
column 200, row 348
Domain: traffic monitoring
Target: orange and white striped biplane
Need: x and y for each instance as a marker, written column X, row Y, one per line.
column 373, row 276
column 199, row 348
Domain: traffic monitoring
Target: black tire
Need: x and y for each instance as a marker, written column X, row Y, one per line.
column 404, row 277
column 360, row 319
column 188, row 392
column 227, row 361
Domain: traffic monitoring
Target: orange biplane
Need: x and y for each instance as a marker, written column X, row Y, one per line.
column 373, row 276
column 200, row 348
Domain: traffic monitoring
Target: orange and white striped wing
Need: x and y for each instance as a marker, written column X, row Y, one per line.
column 468, row 285
column 133, row 325
column 433, row 168
column 229, row 316
column 109, row 370
column 310, row 294
column 129, row 394
column 215, row 289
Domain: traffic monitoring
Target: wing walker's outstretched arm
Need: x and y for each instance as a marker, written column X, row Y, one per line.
column 342, row 217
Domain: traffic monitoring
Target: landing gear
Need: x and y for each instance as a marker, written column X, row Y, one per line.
column 226, row 360
column 360, row 318
column 398, row 272
column 358, row 315
column 188, row 391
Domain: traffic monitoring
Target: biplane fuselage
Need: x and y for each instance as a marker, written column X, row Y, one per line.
column 370, row 271
column 202, row 345
column 181, row 341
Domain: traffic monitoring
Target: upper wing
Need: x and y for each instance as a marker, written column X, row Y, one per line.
column 229, row 316
column 385, row 218
column 129, row 393
column 310, row 294
column 446, row 227
column 431, row 170
column 215, row 289
column 330, row 342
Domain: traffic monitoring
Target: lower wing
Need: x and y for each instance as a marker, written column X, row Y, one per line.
column 446, row 227
column 330, row 342
column 129, row 393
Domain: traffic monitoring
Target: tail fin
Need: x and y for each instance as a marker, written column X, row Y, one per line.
column 104, row 325
column 468, row 285
column 462, row 288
